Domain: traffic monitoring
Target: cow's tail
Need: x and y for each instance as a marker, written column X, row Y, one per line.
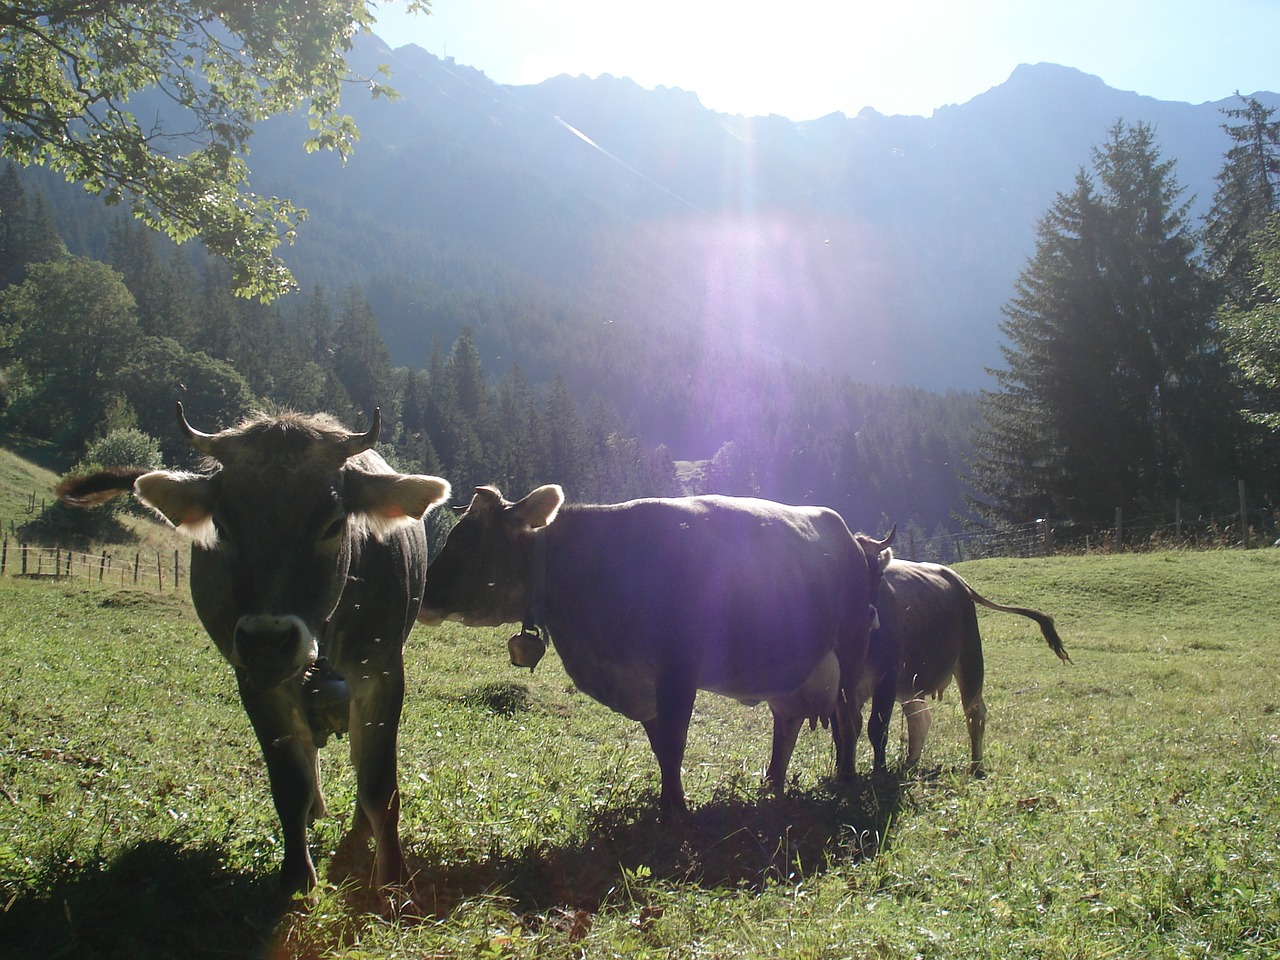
column 1046, row 622
column 95, row 488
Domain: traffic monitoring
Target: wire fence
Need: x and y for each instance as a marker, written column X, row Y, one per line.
column 1213, row 526
column 1226, row 524
column 156, row 570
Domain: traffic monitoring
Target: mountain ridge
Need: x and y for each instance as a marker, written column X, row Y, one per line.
column 877, row 247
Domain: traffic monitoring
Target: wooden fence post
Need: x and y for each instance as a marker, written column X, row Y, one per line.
column 1119, row 531
column 1244, row 520
column 175, row 570
column 159, row 574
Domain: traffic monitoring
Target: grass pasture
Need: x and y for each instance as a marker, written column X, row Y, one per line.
column 1132, row 807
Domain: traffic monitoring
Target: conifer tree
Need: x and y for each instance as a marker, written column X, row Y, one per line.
column 162, row 286
column 450, row 431
column 519, row 446
column 27, row 231
column 1252, row 332
column 1114, row 393
column 1248, row 194
column 567, row 455
column 360, row 358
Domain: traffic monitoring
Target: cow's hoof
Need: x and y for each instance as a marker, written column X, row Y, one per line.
column 402, row 903
column 674, row 811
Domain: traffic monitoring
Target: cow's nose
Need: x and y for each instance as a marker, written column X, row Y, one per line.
column 271, row 649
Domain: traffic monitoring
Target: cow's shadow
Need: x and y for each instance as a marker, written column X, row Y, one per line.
column 158, row 899
column 164, row 898
column 734, row 841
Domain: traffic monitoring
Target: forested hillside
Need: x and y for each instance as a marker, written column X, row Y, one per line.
column 166, row 327
column 621, row 291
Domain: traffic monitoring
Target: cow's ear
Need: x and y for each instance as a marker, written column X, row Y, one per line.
column 184, row 499
column 386, row 501
column 540, row 507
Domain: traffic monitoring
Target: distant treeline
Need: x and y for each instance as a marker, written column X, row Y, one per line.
column 103, row 326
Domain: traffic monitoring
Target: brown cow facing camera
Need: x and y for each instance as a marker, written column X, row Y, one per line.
column 307, row 563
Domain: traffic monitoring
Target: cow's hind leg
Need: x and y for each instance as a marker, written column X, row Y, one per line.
column 817, row 699
column 969, row 676
column 786, row 730
column 846, row 727
column 668, row 732
column 918, row 716
column 882, row 701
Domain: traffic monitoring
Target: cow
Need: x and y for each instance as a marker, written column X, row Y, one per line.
column 928, row 633
column 307, row 563
column 649, row 601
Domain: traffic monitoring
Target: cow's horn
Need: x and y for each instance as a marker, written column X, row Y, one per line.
column 360, row 442
column 881, row 544
column 201, row 441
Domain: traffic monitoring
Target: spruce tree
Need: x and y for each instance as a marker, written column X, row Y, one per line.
column 361, row 361
column 1248, row 194
column 1114, row 393
column 568, row 456
column 1252, row 332
column 27, row 231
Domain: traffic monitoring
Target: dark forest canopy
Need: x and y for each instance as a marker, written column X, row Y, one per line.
column 513, row 392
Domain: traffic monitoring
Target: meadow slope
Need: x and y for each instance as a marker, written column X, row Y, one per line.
column 1131, row 809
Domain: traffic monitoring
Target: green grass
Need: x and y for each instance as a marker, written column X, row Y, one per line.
column 30, row 516
column 1131, row 809
column 19, row 480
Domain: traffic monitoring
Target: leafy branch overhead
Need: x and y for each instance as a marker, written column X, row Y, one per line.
column 84, row 84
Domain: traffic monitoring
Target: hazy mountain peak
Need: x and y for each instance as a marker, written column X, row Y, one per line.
column 879, row 246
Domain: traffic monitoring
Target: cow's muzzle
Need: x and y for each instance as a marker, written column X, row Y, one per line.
column 271, row 649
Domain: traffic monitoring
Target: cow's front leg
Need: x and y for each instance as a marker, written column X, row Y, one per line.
column 668, row 732
column 375, row 721
column 291, row 767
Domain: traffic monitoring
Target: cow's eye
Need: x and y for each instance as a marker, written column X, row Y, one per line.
column 334, row 529
column 220, row 529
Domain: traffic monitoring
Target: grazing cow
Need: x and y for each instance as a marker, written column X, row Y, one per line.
column 928, row 632
column 307, row 565
column 649, row 601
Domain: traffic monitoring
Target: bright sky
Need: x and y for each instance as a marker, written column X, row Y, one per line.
column 803, row 59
